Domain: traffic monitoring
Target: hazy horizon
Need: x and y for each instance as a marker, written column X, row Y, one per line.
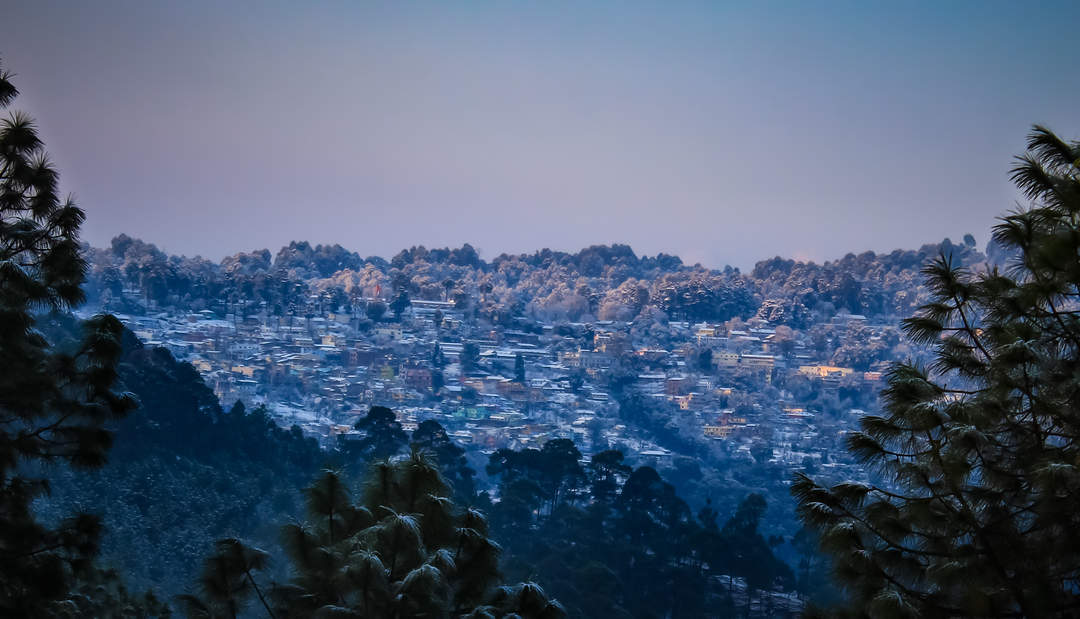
column 721, row 134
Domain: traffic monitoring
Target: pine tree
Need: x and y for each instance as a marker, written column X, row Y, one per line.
column 103, row 593
column 469, row 358
column 978, row 512
column 404, row 550
column 438, row 360
column 400, row 303
column 54, row 401
column 383, row 436
column 228, row 582
column 431, row 438
column 519, row 369
column 605, row 469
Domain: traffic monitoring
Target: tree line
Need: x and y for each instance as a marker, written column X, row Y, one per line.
column 597, row 283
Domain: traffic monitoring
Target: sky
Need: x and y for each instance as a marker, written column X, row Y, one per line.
column 722, row 132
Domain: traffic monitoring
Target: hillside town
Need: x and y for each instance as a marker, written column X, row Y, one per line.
column 749, row 389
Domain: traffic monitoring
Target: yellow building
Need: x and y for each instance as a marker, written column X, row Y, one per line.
column 824, row 371
column 717, row 431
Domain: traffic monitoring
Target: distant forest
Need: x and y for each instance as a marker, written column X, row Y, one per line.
column 598, row 283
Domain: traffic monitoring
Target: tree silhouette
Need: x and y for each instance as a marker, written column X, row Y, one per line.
column 400, row 303
column 227, row 582
column 470, row 357
column 54, row 400
column 978, row 512
column 625, row 540
column 551, row 473
column 605, row 470
column 431, row 438
column 383, row 436
column 519, row 369
column 375, row 310
column 405, row 550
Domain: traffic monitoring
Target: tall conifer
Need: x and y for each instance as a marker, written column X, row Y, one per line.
column 978, row 512
column 54, row 402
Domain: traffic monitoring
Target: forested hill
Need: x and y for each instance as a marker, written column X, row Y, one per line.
column 182, row 473
column 185, row 472
column 604, row 537
column 599, row 282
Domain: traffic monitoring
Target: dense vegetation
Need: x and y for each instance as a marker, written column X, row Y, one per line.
column 54, row 400
column 611, row 540
column 405, row 550
column 183, row 472
column 977, row 513
column 180, row 478
column 601, row 536
column 600, row 283
column 604, row 537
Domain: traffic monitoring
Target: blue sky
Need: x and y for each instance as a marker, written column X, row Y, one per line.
column 723, row 132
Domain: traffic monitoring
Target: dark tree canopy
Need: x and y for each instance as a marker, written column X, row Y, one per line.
column 470, row 357
column 431, row 438
column 383, row 436
column 54, row 402
column 519, row 368
column 979, row 509
column 375, row 310
column 621, row 542
column 404, row 550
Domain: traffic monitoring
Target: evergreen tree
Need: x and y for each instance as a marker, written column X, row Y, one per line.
column 470, row 357
column 624, row 540
column 438, row 381
column 405, row 550
column 54, row 401
column 431, row 438
column 227, row 582
column 103, row 593
column 551, row 473
column 605, row 469
column 400, row 303
column 383, row 436
column 978, row 512
column 519, row 369
column 375, row 310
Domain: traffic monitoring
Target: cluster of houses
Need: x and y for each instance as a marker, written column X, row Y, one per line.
column 495, row 387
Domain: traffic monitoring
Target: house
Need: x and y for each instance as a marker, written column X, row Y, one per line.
column 394, row 332
column 758, row 362
column 825, row 372
column 677, row 385
column 586, row 359
column 418, row 378
column 721, row 431
column 725, row 360
column 651, row 383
